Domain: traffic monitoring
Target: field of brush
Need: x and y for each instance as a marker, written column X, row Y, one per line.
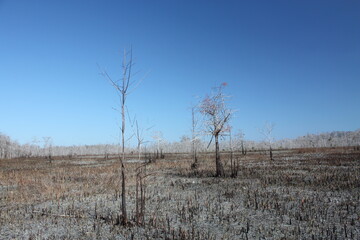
column 302, row 194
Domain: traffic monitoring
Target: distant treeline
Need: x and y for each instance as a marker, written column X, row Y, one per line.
column 12, row 149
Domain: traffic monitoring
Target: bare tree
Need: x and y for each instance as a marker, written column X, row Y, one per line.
column 106, row 152
column 122, row 88
column 266, row 131
column 217, row 115
column 158, row 137
column 232, row 163
column 139, row 133
column 194, row 136
column 48, row 148
column 5, row 144
column 239, row 138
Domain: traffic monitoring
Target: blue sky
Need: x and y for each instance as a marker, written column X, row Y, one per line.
column 293, row 63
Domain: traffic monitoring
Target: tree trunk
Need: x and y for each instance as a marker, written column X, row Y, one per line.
column 193, row 149
column 195, row 158
column 123, row 196
column 123, row 177
column 219, row 166
column 139, row 151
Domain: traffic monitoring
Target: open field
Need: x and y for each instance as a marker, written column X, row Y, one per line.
column 302, row 194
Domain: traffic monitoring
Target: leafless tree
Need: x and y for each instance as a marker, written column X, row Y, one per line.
column 158, row 137
column 217, row 116
column 48, row 148
column 106, row 152
column 5, row 144
column 233, row 166
column 194, row 136
column 139, row 134
column 239, row 138
column 266, row 131
column 122, row 88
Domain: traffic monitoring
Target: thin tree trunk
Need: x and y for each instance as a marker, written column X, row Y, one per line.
column 123, row 177
column 137, row 199
column 193, row 149
column 139, row 151
column 219, row 166
column 194, row 153
column 122, row 88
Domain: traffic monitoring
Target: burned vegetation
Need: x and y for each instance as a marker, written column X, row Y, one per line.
column 301, row 194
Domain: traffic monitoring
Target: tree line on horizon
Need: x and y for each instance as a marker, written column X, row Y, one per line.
column 10, row 148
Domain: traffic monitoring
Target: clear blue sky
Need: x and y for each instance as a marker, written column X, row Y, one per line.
column 293, row 63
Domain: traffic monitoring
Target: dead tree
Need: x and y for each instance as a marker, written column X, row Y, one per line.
column 266, row 131
column 140, row 194
column 216, row 115
column 48, row 148
column 139, row 138
column 158, row 137
column 122, row 88
column 233, row 165
column 194, row 123
column 106, row 152
column 139, row 134
column 239, row 140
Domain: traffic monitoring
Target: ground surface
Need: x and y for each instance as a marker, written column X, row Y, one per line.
column 302, row 194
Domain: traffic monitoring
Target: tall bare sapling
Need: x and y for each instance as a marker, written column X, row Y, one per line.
column 122, row 88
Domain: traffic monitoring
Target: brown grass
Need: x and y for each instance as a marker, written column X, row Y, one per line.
column 302, row 194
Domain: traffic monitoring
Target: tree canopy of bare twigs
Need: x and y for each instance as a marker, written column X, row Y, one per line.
column 216, row 118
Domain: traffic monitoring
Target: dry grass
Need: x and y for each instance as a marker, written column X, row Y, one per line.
column 303, row 194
